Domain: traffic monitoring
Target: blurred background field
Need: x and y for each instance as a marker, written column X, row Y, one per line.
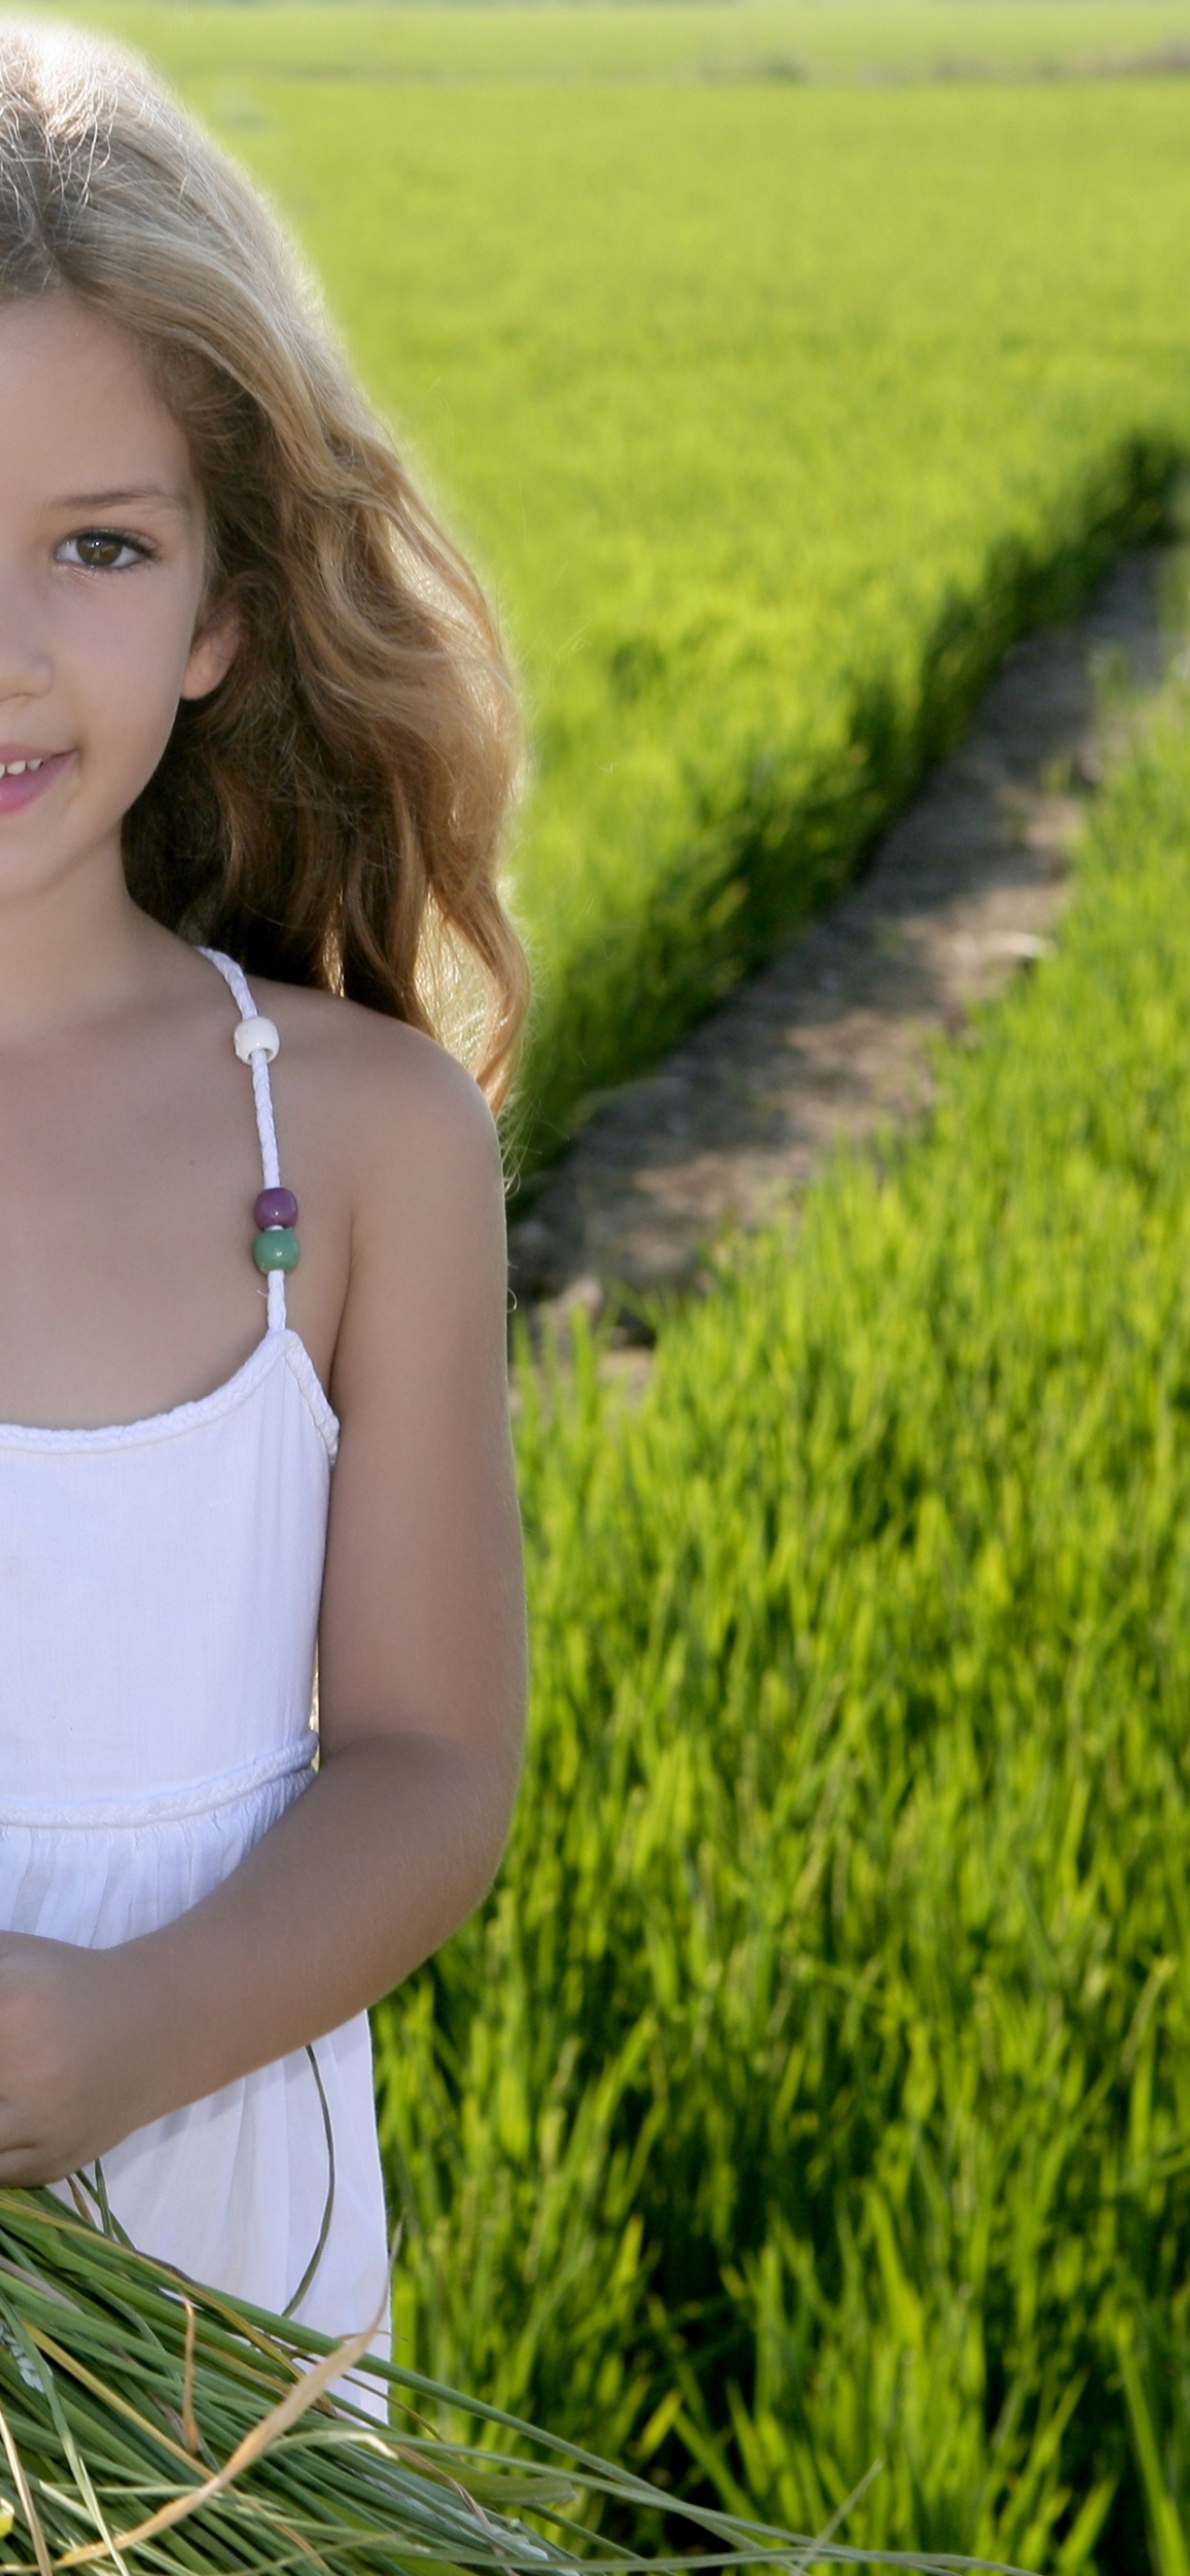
column 873, row 41
column 813, row 2091
column 833, row 40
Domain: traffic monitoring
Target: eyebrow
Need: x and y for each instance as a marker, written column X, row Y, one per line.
column 121, row 500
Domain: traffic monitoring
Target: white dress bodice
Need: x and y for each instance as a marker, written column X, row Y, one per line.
column 159, row 1595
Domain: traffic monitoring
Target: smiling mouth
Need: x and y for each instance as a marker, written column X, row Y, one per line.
column 28, row 775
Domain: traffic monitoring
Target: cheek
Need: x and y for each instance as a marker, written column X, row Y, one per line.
column 124, row 655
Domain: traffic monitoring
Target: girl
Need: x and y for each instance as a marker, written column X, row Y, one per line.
column 255, row 747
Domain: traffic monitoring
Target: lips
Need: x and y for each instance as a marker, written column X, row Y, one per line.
column 26, row 775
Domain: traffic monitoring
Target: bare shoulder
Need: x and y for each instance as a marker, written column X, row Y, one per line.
column 391, row 1108
column 396, row 1165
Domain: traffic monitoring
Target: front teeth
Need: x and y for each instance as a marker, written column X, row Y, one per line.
column 17, row 768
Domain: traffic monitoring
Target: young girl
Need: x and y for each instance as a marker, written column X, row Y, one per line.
column 255, row 746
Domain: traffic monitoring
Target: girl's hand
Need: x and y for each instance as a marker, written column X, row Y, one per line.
column 68, row 2057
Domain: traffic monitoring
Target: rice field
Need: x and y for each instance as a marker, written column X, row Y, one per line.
column 814, row 2091
column 773, row 407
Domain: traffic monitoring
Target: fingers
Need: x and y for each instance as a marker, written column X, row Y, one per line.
column 27, row 2157
column 21, row 2167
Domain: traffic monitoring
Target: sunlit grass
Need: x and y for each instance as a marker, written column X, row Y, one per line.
column 815, row 2089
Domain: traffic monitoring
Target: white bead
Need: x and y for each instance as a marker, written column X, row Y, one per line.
column 256, row 1037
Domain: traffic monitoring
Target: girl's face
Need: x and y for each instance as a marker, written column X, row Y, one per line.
column 102, row 624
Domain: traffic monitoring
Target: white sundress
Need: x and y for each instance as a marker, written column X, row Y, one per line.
column 159, row 1596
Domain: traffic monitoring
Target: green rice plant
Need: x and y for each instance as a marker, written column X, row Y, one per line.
column 814, row 2090
column 1171, row 2557
column 148, row 2423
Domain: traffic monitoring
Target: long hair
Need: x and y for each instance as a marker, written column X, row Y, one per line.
column 331, row 814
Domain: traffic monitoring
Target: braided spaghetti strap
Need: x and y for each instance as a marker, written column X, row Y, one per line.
column 257, row 1057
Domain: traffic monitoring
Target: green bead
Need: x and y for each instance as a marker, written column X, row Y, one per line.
column 276, row 1248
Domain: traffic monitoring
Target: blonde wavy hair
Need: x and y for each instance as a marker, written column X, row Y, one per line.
column 332, row 814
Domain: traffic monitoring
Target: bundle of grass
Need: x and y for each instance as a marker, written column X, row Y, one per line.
column 150, row 2424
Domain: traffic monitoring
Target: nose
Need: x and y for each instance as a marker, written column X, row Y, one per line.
column 26, row 670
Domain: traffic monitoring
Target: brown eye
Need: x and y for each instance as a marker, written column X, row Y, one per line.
column 101, row 550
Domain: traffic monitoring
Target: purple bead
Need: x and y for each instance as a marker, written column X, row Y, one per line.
column 275, row 1207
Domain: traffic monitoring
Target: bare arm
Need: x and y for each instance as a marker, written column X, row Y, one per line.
column 421, row 1695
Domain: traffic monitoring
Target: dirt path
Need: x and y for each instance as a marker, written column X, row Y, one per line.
column 964, row 890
